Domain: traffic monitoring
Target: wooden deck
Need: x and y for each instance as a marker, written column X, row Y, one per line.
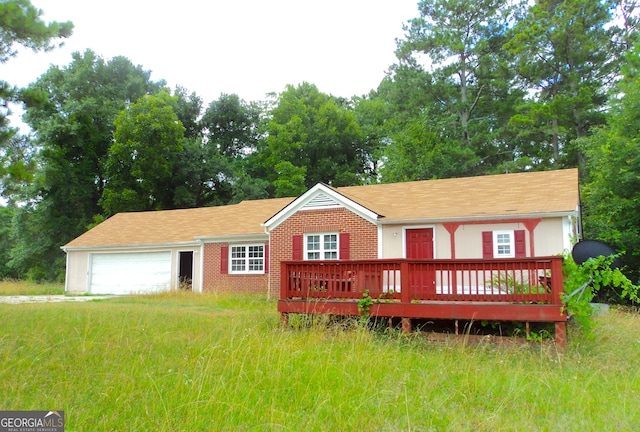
column 523, row 289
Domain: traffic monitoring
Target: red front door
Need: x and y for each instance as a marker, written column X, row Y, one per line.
column 420, row 246
column 420, row 243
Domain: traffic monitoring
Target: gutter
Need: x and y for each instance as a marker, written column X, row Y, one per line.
column 471, row 218
column 130, row 246
column 231, row 238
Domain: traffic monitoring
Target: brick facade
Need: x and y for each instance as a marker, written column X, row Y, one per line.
column 363, row 245
column 215, row 281
column 363, row 235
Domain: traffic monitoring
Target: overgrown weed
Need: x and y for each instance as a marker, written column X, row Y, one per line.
column 20, row 287
column 184, row 361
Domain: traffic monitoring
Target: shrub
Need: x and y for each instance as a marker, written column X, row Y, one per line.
column 583, row 282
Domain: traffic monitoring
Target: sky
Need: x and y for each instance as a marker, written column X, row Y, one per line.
column 246, row 47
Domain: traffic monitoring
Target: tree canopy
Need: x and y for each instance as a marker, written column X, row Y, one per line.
column 20, row 25
column 311, row 137
column 143, row 157
column 612, row 174
column 73, row 127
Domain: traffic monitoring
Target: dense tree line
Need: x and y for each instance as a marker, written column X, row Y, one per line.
column 482, row 87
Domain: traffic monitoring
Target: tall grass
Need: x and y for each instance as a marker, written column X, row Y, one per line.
column 16, row 287
column 207, row 362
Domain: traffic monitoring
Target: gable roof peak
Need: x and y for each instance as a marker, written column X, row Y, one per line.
column 321, row 196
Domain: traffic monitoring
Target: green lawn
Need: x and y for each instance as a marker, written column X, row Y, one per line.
column 207, row 362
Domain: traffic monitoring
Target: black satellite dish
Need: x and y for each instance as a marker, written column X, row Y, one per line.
column 586, row 249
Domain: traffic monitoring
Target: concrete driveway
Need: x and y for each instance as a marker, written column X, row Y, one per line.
column 49, row 298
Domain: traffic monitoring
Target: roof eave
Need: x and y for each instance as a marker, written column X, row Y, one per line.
column 233, row 238
column 463, row 219
column 67, row 248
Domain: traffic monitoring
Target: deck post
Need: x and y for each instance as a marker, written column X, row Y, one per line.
column 405, row 284
column 284, row 281
column 405, row 295
column 284, row 319
column 561, row 336
column 406, row 325
column 556, row 280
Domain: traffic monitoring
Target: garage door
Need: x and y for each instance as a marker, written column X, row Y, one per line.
column 130, row 273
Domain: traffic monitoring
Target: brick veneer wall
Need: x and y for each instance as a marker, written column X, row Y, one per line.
column 214, row 280
column 363, row 236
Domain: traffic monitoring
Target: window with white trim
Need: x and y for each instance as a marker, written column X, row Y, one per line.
column 321, row 246
column 246, row 258
column 504, row 244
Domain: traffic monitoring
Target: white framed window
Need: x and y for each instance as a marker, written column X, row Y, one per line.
column 504, row 244
column 246, row 258
column 321, row 246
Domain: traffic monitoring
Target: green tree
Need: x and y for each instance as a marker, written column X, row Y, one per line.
column 629, row 19
column 71, row 115
column 206, row 176
column 74, row 126
column 566, row 56
column 318, row 137
column 290, row 179
column 459, row 39
column 143, row 157
column 17, row 168
column 406, row 90
column 6, row 243
column 188, row 108
column 21, row 24
column 418, row 153
column 232, row 130
column 231, row 125
column 202, row 176
column 371, row 114
column 612, row 180
column 463, row 95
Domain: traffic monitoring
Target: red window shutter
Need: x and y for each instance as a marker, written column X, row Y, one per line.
column 224, row 260
column 520, row 243
column 297, row 248
column 487, row 244
column 345, row 246
column 266, row 258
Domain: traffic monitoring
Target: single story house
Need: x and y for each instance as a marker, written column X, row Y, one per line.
column 240, row 247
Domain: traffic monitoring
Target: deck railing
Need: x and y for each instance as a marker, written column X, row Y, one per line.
column 517, row 280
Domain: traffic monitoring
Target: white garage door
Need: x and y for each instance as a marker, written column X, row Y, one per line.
column 130, row 273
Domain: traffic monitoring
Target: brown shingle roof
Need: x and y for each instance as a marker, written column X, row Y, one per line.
column 179, row 226
column 473, row 197
column 494, row 195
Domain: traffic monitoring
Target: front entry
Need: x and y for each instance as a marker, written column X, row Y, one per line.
column 419, row 245
column 185, row 270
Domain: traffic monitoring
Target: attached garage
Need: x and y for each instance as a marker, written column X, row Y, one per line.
column 148, row 252
column 129, row 273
